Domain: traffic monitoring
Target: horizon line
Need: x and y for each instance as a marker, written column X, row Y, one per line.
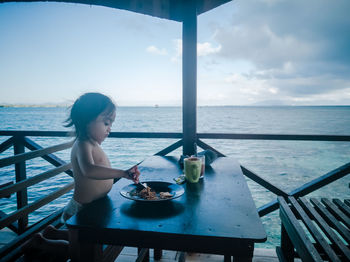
column 157, row 105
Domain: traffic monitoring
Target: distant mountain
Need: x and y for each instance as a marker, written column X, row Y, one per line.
column 35, row 105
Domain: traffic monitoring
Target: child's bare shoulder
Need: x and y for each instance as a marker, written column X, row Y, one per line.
column 82, row 145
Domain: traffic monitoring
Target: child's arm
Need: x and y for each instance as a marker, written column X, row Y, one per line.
column 94, row 171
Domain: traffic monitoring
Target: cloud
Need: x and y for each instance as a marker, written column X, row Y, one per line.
column 298, row 48
column 251, row 85
column 263, row 46
column 203, row 49
column 154, row 50
column 178, row 50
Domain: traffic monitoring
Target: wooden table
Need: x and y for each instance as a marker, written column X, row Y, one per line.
column 217, row 215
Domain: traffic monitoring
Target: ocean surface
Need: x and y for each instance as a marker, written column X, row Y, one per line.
column 287, row 164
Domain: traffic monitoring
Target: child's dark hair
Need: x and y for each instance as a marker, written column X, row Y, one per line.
column 86, row 109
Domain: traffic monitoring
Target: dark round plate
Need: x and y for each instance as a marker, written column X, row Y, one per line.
column 158, row 186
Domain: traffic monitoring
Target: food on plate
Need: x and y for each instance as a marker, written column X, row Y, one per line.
column 164, row 195
column 149, row 194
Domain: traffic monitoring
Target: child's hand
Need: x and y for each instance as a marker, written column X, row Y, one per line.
column 133, row 174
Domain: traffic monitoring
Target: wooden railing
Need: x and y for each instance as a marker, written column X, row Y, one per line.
column 18, row 220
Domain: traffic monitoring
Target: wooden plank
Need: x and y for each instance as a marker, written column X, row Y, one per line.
column 8, row 190
column 331, row 220
column 182, row 257
column 347, row 201
column 166, row 9
column 268, row 208
column 309, row 187
column 273, row 137
column 71, row 134
column 205, row 146
column 157, row 254
column 33, row 154
column 2, row 186
column 35, row 205
column 301, row 242
column 12, row 226
column 314, row 231
column 21, row 174
column 51, row 158
column 264, row 183
column 35, row 133
column 287, row 247
column 239, row 136
column 145, row 135
column 6, row 144
column 143, row 255
column 321, row 181
column 336, row 212
column 170, row 148
column 110, row 253
column 327, row 230
column 342, row 206
column 280, row 255
column 11, row 250
column 82, row 251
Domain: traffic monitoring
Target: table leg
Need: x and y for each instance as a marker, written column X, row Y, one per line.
column 143, row 254
column 157, row 254
column 246, row 253
column 80, row 251
column 242, row 259
column 182, row 257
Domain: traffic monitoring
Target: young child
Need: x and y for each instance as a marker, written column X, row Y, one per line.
column 92, row 116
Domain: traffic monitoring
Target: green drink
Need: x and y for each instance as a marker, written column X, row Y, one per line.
column 192, row 166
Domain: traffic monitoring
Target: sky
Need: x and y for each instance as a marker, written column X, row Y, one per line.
column 250, row 52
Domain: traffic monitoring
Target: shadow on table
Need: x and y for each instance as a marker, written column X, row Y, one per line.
column 152, row 209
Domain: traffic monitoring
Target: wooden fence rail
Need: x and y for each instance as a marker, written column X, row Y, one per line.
column 11, row 188
column 20, row 139
column 4, row 221
column 33, row 154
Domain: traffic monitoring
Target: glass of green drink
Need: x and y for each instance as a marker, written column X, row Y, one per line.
column 192, row 169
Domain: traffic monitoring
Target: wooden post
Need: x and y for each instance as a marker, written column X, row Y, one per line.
column 20, row 171
column 286, row 245
column 189, row 77
column 81, row 251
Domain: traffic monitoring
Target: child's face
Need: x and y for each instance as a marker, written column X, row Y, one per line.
column 100, row 128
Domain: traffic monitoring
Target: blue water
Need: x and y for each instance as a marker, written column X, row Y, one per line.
column 287, row 164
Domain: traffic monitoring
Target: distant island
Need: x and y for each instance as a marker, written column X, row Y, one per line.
column 35, row 105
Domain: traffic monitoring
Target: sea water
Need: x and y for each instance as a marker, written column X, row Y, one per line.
column 286, row 164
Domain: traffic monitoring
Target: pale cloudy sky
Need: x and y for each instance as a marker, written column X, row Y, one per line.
column 249, row 52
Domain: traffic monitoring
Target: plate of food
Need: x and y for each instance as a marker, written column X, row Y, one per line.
column 154, row 191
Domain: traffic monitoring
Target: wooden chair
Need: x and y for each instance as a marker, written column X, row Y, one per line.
column 314, row 230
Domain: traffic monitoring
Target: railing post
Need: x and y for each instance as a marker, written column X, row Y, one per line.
column 189, row 78
column 21, row 174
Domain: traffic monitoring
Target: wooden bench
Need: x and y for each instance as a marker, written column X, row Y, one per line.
column 314, row 230
column 13, row 252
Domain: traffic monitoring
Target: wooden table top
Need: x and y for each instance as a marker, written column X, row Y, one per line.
column 218, row 208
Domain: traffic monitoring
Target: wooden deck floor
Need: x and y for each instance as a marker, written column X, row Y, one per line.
column 260, row 255
column 129, row 254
